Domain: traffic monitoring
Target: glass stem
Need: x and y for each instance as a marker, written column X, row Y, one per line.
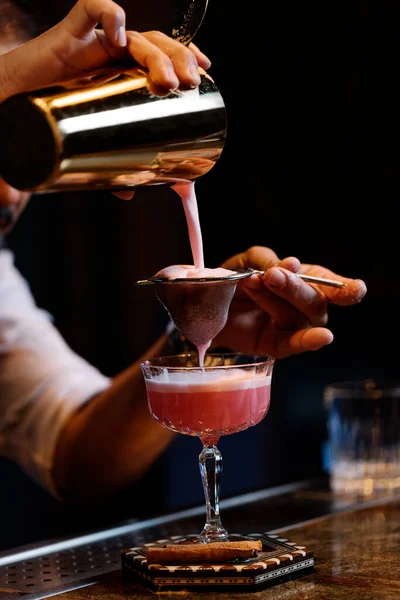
column 210, row 463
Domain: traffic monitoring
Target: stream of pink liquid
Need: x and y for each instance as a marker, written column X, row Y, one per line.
column 187, row 194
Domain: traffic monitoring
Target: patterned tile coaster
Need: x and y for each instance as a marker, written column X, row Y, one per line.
column 279, row 561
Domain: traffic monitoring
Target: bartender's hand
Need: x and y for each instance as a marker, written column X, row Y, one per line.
column 279, row 313
column 75, row 47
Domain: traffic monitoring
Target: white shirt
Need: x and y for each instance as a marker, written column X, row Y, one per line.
column 42, row 381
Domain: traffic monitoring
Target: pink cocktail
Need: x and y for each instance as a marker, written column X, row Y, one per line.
column 230, row 393
column 209, row 404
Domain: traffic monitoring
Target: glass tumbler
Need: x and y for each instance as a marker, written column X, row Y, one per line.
column 363, row 420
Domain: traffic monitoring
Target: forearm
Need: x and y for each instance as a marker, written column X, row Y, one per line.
column 8, row 84
column 27, row 67
column 112, row 440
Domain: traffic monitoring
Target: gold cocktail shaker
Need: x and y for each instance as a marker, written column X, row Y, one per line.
column 116, row 132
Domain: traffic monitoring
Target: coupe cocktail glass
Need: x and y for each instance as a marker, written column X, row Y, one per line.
column 230, row 393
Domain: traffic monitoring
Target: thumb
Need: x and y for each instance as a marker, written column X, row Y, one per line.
column 87, row 14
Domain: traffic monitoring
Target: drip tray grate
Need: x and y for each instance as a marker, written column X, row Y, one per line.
column 73, row 567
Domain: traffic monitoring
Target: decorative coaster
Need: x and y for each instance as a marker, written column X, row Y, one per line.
column 279, row 561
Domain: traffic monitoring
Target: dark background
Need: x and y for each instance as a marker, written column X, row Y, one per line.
column 311, row 169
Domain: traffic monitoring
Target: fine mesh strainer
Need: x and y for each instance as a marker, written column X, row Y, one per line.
column 199, row 306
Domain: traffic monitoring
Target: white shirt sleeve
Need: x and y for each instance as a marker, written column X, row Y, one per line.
column 42, row 381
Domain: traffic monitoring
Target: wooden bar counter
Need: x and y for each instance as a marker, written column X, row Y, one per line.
column 356, row 548
column 357, row 557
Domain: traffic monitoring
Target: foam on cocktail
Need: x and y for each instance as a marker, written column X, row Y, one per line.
column 199, row 381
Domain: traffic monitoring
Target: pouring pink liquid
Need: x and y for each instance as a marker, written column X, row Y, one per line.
column 227, row 396
column 188, row 196
column 186, row 191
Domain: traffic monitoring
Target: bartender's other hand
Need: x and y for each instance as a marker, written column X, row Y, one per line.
column 76, row 46
column 279, row 313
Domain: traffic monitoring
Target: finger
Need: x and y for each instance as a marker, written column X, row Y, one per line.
column 307, row 340
column 164, row 51
column 86, row 14
column 203, row 61
column 256, row 257
column 290, row 343
column 159, row 65
column 291, row 263
column 305, row 298
column 128, row 195
column 352, row 293
column 289, row 301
